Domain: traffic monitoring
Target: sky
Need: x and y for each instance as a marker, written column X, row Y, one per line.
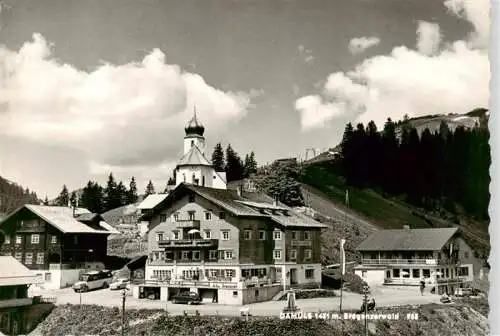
column 89, row 87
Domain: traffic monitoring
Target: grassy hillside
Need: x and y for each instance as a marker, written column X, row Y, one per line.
column 386, row 213
column 433, row 320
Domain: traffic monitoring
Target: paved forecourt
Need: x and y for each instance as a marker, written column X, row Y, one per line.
column 105, row 297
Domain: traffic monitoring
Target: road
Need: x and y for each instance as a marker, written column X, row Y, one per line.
column 384, row 297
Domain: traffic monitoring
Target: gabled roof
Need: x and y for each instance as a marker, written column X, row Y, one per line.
column 12, row 272
column 151, row 201
column 61, row 217
column 194, row 158
column 244, row 206
column 408, row 240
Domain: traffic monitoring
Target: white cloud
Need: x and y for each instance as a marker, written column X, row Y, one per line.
column 359, row 44
column 119, row 115
column 452, row 79
column 428, row 37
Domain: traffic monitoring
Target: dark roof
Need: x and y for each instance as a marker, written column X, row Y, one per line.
column 408, row 240
column 87, row 217
column 241, row 205
column 137, row 262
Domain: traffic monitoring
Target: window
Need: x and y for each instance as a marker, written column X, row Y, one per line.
column 363, row 274
column 277, row 235
column 7, row 239
column 447, row 270
column 230, row 273
column 28, row 258
column 388, row 273
column 228, row 255
column 307, row 235
column 247, row 234
column 208, row 234
column 416, row 273
column 191, row 198
column 256, row 293
column 222, row 215
column 277, row 254
column 426, row 273
column 208, row 215
column 213, row 255
column 185, row 255
column 163, row 218
column 262, row 235
column 19, row 240
column 184, row 178
column 309, row 274
column 308, row 254
column 159, row 237
column 54, row 240
column 40, row 260
column 466, row 255
column 463, row 271
column 293, row 254
column 175, row 235
column 47, row 276
column 196, row 255
column 203, row 181
column 294, row 235
column 225, row 235
column 19, row 256
column 191, row 215
column 176, row 216
column 396, row 272
column 192, row 143
column 235, row 293
column 406, row 273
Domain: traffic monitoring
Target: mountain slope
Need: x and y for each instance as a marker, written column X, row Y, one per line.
column 13, row 195
column 322, row 186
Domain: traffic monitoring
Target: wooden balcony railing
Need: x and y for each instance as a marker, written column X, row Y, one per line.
column 16, row 302
column 399, row 261
column 189, row 243
column 188, row 223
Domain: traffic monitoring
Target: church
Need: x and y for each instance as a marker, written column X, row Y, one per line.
column 194, row 167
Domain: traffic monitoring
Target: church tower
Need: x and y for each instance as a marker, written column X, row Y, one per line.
column 194, row 135
column 194, row 167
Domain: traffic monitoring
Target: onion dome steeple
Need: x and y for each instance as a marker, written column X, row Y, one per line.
column 194, row 127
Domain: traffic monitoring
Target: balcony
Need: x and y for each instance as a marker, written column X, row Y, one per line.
column 16, row 303
column 188, row 224
column 256, row 282
column 296, row 243
column 387, row 262
column 189, row 243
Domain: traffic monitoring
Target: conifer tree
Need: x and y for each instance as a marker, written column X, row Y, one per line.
column 150, row 189
column 218, row 158
column 63, row 198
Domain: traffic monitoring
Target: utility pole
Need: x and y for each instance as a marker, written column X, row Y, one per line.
column 123, row 311
column 365, row 301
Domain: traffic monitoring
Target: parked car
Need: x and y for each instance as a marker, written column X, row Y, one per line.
column 187, row 297
column 121, row 283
